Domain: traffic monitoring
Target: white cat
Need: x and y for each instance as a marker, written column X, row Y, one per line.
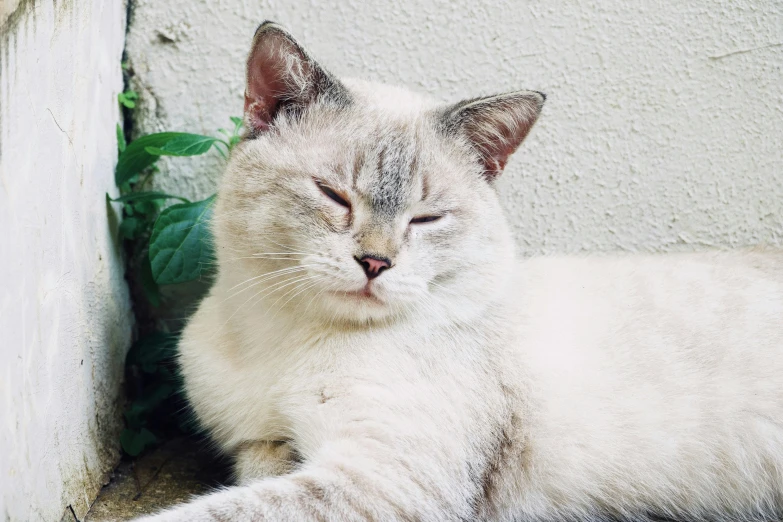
column 372, row 350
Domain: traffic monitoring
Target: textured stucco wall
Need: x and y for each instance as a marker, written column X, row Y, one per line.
column 662, row 130
column 65, row 319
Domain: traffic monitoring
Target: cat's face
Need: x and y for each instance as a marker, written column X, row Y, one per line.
column 360, row 202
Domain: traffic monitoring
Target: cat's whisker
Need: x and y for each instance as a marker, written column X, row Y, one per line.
column 276, row 258
column 281, row 258
column 305, row 286
column 273, row 305
column 316, row 296
column 282, row 252
column 269, row 274
column 254, row 278
column 278, row 287
column 260, row 292
column 295, row 273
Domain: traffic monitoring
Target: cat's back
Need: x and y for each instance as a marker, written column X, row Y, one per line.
column 686, row 323
column 676, row 295
column 654, row 367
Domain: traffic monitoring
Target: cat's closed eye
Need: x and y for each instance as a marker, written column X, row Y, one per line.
column 424, row 219
column 331, row 194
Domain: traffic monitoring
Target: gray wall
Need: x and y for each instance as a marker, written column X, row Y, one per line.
column 65, row 318
column 662, row 130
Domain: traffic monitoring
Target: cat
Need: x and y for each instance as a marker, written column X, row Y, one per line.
column 372, row 349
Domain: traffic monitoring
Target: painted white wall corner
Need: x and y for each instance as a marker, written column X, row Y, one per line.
column 65, row 316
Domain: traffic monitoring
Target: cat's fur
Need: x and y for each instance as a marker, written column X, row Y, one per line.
column 472, row 386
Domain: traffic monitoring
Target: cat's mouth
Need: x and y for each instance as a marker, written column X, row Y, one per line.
column 365, row 294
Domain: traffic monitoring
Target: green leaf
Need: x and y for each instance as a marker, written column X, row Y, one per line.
column 135, row 158
column 134, row 442
column 145, row 151
column 183, row 145
column 121, row 143
column 137, row 197
column 126, row 98
column 129, row 227
column 147, row 208
column 151, row 350
column 143, row 407
column 181, row 243
column 148, row 284
column 235, row 137
column 135, row 415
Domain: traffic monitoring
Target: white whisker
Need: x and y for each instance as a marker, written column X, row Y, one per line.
column 265, row 277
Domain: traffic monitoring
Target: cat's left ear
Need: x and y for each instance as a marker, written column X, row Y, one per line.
column 282, row 78
column 495, row 126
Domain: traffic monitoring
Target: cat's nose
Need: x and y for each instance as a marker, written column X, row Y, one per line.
column 373, row 266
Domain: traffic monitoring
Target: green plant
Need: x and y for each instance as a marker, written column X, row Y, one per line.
column 165, row 246
column 128, row 99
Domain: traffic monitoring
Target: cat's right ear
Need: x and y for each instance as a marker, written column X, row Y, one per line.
column 282, row 77
column 494, row 126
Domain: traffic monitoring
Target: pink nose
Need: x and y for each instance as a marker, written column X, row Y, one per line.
column 373, row 266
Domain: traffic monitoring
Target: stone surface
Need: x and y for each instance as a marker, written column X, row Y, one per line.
column 169, row 475
column 65, row 318
column 661, row 132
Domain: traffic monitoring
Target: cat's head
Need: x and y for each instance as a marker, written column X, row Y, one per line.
column 362, row 202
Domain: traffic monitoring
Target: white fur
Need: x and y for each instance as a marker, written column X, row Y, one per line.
column 483, row 388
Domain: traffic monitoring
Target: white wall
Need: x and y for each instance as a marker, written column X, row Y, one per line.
column 662, row 130
column 64, row 309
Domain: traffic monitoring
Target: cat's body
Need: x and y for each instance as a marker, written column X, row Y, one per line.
column 607, row 386
column 435, row 377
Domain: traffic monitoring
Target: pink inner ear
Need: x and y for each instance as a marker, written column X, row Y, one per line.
column 266, row 82
column 496, row 144
column 494, row 165
column 257, row 115
column 499, row 128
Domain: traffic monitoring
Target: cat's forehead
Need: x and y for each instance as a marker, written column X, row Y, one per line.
column 387, row 170
column 396, row 136
column 394, row 162
column 391, row 153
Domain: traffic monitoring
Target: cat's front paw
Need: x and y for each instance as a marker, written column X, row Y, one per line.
column 261, row 459
column 181, row 514
column 237, row 504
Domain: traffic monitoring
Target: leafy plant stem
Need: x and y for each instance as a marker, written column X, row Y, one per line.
column 165, row 245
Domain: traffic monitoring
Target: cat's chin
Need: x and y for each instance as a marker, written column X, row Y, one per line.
column 358, row 307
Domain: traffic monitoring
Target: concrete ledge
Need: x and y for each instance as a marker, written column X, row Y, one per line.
column 169, row 475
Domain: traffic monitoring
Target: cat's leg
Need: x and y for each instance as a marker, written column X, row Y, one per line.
column 261, row 459
column 345, row 484
column 365, row 459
